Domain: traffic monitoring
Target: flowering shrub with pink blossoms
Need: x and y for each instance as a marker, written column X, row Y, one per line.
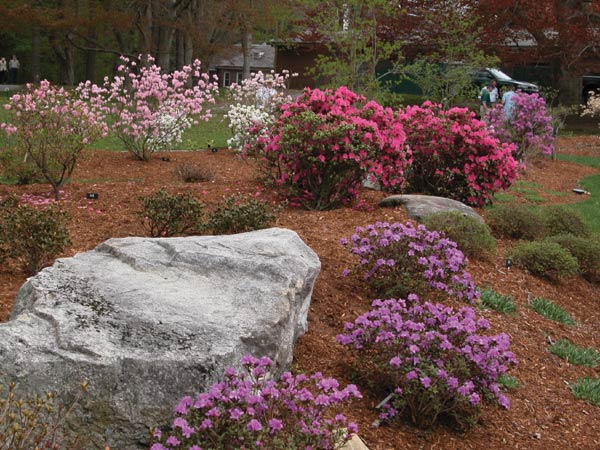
column 431, row 360
column 150, row 109
column 529, row 126
column 51, row 126
column 249, row 410
column 398, row 259
column 455, row 155
column 325, row 143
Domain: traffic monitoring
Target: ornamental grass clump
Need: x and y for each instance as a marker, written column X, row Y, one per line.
column 325, row 143
column 250, row 410
column 397, row 259
column 432, row 361
column 455, row 155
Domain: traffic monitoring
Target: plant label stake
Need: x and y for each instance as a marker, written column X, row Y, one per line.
column 508, row 263
column 91, row 196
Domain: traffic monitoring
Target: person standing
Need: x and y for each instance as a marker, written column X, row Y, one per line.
column 3, row 70
column 509, row 102
column 485, row 102
column 494, row 92
column 13, row 68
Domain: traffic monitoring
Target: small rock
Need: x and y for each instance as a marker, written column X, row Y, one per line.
column 420, row 206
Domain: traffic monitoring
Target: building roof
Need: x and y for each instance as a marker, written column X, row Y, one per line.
column 262, row 56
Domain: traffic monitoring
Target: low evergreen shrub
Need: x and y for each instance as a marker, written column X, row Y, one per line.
column 545, row 259
column 30, row 236
column 164, row 214
column 474, row 238
column 240, row 213
column 516, row 221
column 585, row 250
column 564, row 220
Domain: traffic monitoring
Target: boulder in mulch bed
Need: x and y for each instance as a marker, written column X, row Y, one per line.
column 420, row 206
column 148, row 321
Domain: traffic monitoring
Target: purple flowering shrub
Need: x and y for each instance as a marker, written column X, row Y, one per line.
column 249, row 410
column 398, row 259
column 529, row 126
column 435, row 362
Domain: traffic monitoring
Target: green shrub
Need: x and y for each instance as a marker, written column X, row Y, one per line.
column 165, row 214
column 574, row 354
column 240, row 213
column 35, row 423
column 509, row 382
column 193, row 173
column 32, row 237
column 545, row 259
column 587, row 389
column 502, row 303
column 473, row 237
column 563, row 220
column 516, row 221
column 18, row 168
column 585, row 250
column 551, row 311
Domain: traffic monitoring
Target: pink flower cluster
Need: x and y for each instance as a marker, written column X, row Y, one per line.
column 433, row 360
column 455, row 155
column 250, row 410
column 398, row 259
column 150, row 107
column 324, row 144
column 528, row 127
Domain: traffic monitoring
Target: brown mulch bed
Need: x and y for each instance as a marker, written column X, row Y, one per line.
column 544, row 413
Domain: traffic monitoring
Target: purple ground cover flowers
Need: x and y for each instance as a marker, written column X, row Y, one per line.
column 398, row 259
column 249, row 410
column 434, row 361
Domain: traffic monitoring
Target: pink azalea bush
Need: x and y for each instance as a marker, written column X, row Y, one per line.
column 249, row 410
column 150, row 109
column 325, row 143
column 432, row 360
column 528, row 127
column 455, row 155
column 51, row 126
column 397, row 259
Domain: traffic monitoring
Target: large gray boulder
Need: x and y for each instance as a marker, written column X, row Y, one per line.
column 420, row 206
column 148, row 321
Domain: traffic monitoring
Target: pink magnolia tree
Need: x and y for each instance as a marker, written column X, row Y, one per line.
column 150, row 109
column 51, row 126
column 528, row 126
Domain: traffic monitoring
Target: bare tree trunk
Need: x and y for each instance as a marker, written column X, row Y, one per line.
column 246, row 50
column 35, row 54
column 180, row 49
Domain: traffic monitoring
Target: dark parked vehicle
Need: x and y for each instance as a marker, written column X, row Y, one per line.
column 484, row 76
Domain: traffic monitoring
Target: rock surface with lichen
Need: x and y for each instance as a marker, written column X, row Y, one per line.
column 147, row 321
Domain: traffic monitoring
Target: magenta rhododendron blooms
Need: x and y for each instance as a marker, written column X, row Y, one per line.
column 51, row 126
column 434, row 361
column 321, row 147
column 528, row 127
column 397, row 259
column 251, row 410
column 150, row 109
column 455, row 155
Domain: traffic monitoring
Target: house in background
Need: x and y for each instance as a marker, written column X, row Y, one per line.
column 229, row 67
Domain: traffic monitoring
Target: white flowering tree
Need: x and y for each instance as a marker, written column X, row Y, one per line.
column 256, row 101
